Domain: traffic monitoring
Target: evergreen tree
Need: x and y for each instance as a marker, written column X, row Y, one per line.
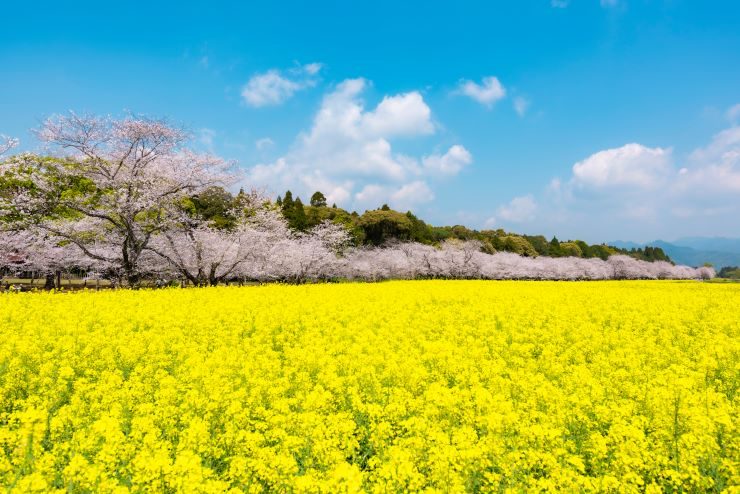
column 279, row 201
column 288, row 201
column 298, row 219
column 555, row 247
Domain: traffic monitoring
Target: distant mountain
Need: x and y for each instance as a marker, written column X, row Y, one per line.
column 622, row 244
column 716, row 244
column 695, row 251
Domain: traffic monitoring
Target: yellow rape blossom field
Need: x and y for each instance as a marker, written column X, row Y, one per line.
column 410, row 386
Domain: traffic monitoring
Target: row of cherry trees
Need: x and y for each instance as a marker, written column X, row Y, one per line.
column 114, row 197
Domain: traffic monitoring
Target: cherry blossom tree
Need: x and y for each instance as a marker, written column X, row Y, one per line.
column 6, row 144
column 34, row 250
column 465, row 260
column 310, row 255
column 113, row 185
column 206, row 255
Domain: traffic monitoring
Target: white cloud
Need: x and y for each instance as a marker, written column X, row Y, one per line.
column 715, row 168
column 521, row 105
column 273, row 88
column 641, row 193
column 348, row 154
column 268, row 89
column 401, row 197
column 335, row 192
column 264, row 143
column 404, row 114
column 487, row 93
column 733, row 113
column 313, row 68
column 270, row 173
column 412, row 193
column 450, row 163
column 629, row 165
column 372, row 194
column 348, row 140
column 518, row 210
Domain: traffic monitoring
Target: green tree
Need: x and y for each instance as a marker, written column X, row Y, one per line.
column 540, row 244
column 555, row 247
column 518, row 245
column 585, row 248
column 420, row 231
column 381, row 225
column 287, row 201
column 570, row 249
column 216, row 205
column 298, row 219
column 601, row 251
column 318, row 200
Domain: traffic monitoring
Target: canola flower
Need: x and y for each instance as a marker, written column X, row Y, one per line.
column 409, row 386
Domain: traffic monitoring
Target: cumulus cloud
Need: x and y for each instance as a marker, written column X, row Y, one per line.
column 450, row 163
column 640, row 192
column 403, row 114
column 487, row 93
column 264, row 143
column 629, row 165
column 714, row 168
column 518, row 210
column 348, row 152
column 405, row 196
column 413, row 193
column 273, row 88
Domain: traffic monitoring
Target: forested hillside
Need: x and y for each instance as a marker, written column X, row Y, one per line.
column 379, row 226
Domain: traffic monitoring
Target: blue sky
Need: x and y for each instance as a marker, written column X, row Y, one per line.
column 585, row 118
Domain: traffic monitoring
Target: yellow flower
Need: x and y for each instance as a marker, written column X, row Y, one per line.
column 431, row 386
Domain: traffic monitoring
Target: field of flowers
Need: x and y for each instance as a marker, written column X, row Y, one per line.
column 437, row 386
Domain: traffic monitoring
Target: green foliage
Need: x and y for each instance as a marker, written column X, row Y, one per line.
column 420, row 231
column 216, row 205
column 730, row 272
column 297, row 219
column 318, row 200
column 380, row 225
column 555, row 248
column 539, row 243
column 519, row 245
column 601, row 251
column 570, row 249
column 287, row 203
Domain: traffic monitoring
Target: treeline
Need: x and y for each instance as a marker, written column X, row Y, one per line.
column 730, row 272
column 383, row 225
column 128, row 201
